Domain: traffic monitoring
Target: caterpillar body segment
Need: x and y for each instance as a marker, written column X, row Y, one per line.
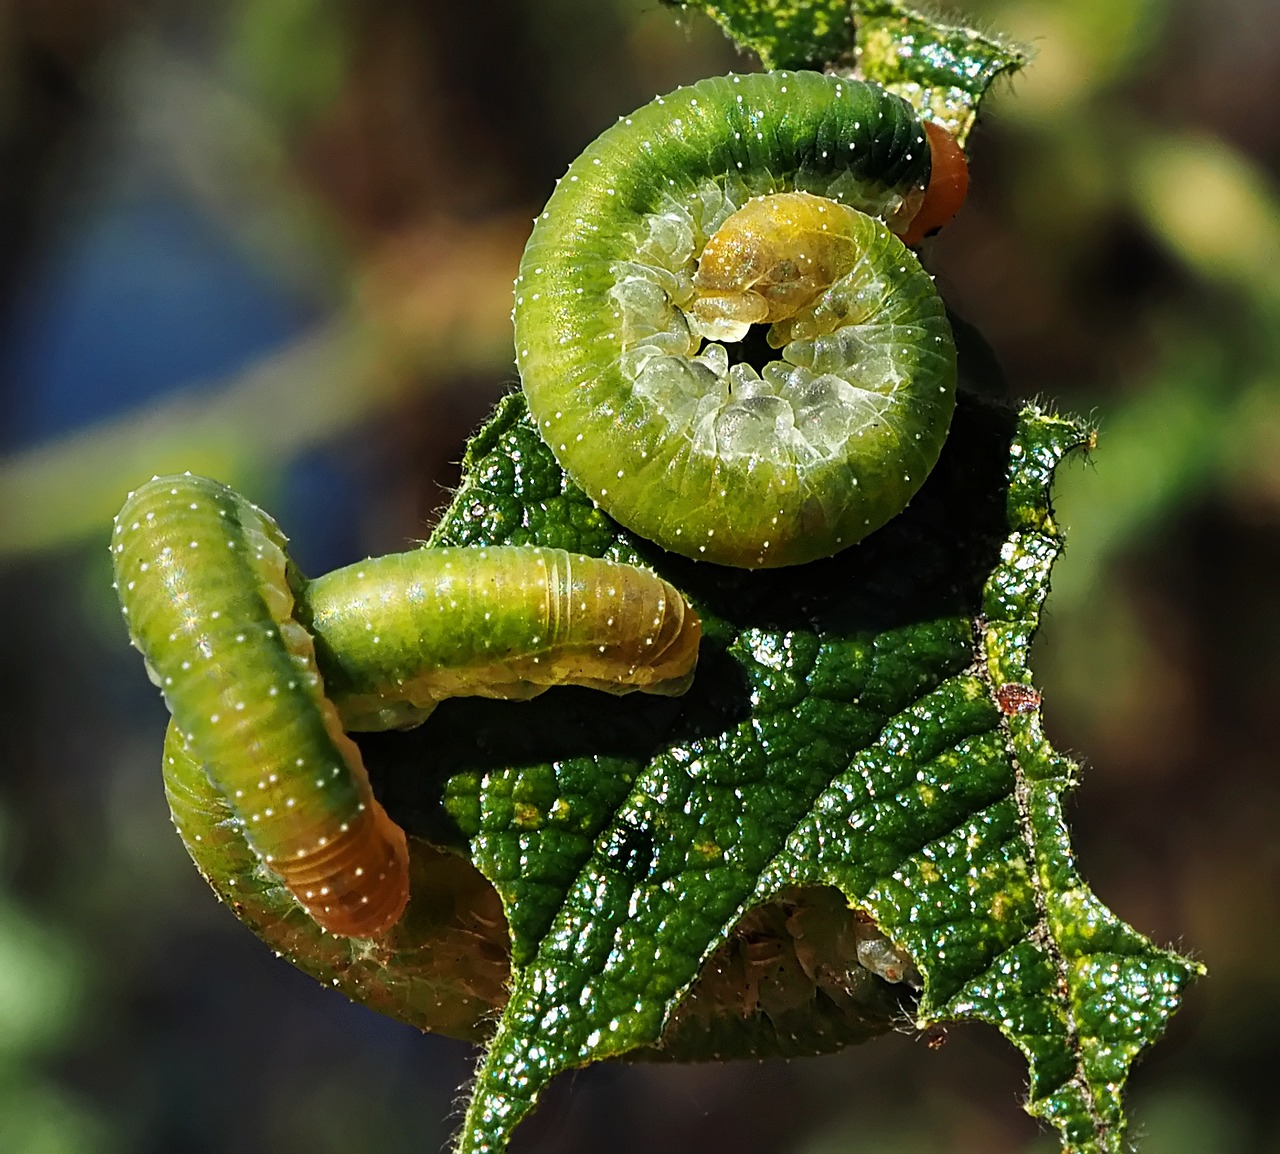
column 401, row 633
column 202, row 578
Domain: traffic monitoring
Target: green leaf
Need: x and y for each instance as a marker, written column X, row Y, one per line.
column 941, row 70
column 843, row 732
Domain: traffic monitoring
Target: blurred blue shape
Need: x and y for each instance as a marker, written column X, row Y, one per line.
column 143, row 295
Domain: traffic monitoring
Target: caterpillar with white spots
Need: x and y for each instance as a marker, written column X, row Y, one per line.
column 779, row 200
column 263, row 671
column 723, row 339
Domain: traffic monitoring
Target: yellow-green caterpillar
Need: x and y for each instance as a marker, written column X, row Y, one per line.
column 264, row 670
column 631, row 349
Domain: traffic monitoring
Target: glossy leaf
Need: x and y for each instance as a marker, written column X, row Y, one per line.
column 850, row 727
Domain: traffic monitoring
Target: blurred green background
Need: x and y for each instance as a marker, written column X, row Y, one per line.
column 273, row 241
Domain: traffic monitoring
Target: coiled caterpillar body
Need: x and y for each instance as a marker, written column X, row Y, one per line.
column 638, row 286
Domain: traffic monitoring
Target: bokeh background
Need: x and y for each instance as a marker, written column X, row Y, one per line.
column 273, row 241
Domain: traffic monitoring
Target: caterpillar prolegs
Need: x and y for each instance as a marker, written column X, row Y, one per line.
column 739, row 201
column 264, row 670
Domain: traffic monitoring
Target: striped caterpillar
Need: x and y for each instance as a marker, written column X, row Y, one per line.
column 780, row 199
column 263, row 670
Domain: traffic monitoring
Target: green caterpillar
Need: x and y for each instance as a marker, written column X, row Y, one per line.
column 633, row 360
column 264, row 670
column 735, row 205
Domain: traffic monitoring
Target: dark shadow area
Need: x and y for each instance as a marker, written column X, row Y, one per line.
column 788, row 982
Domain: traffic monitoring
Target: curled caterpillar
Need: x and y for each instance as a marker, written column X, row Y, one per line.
column 739, row 201
column 264, row 670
